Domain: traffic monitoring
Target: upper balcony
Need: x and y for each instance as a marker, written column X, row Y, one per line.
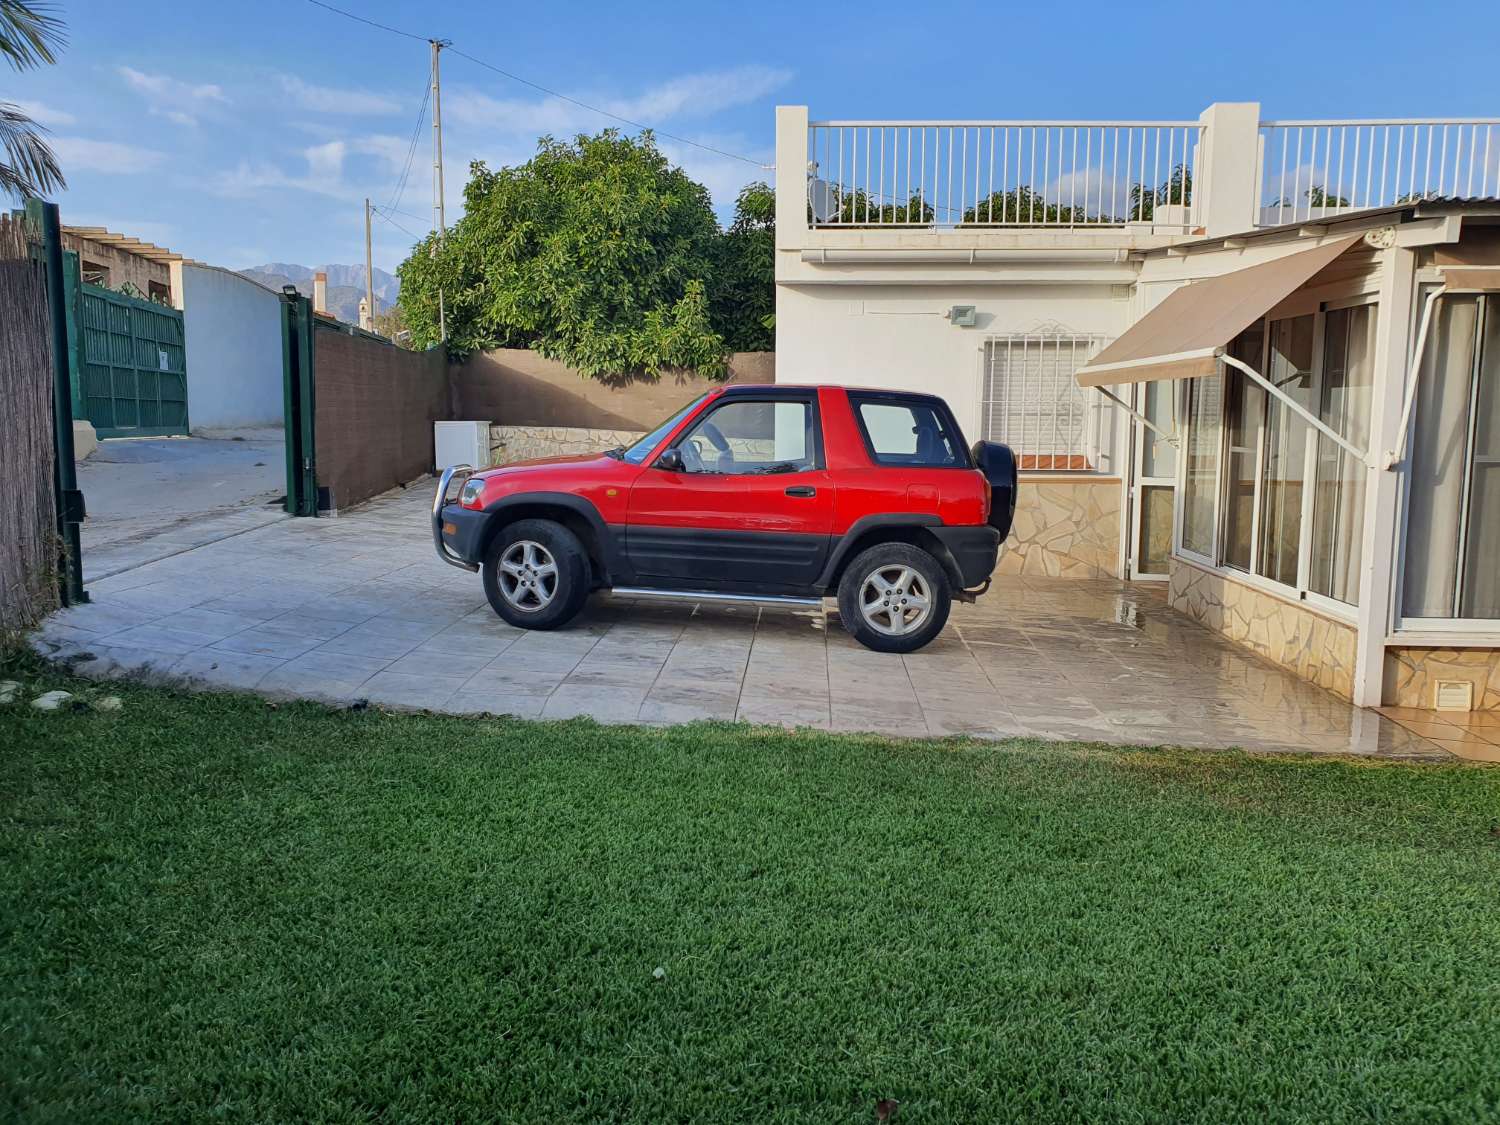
column 1090, row 186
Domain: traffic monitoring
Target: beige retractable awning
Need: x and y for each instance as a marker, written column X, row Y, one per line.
column 1184, row 335
column 1471, row 279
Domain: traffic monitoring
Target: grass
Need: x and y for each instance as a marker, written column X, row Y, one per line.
column 218, row 908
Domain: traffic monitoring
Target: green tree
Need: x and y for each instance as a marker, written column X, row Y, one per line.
column 30, row 36
column 596, row 252
column 742, row 304
column 1024, row 206
column 1319, row 196
column 1175, row 190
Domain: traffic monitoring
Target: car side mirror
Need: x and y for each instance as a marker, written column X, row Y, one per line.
column 671, row 461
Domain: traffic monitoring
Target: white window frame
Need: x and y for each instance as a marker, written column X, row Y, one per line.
column 1453, row 632
column 1298, row 594
column 1098, row 413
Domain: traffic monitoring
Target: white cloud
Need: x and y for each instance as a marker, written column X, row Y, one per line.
column 700, row 95
column 326, row 162
column 326, row 172
column 330, row 99
column 390, row 151
column 46, row 114
column 689, row 96
column 79, row 154
column 177, row 101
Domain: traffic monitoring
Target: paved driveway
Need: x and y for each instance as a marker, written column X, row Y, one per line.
column 149, row 498
column 358, row 607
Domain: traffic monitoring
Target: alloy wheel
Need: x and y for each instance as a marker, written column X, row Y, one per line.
column 528, row 576
column 895, row 600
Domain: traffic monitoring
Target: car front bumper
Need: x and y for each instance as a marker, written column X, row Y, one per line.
column 456, row 532
column 974, row 549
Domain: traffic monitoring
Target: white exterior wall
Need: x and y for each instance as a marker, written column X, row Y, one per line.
column 897, row 337
column 233, row 342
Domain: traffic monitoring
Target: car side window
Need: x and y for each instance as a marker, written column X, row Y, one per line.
column 751, row 436
column 910, row 433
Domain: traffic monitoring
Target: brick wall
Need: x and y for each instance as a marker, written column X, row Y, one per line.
column 375, row 406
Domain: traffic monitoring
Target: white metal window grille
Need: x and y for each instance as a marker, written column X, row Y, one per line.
column 1032, row 402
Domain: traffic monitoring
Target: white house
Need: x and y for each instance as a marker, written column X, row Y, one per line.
column 1256, row 360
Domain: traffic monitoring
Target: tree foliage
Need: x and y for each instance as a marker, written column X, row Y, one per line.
column 742, row 303
column 30, row 36
column 600, row 254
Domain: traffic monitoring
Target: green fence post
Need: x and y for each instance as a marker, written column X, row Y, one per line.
column 299, row 402
column 64, row 473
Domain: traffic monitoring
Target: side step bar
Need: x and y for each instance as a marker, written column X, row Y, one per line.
column 782, row 600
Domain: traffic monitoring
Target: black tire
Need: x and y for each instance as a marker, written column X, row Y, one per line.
column 891, row 558
column 542, row 604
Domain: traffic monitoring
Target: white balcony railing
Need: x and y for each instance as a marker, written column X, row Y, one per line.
column 1312, row 169
column 950, row 174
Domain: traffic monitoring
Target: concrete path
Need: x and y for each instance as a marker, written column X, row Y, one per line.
column 358, row 607
column 149, row 498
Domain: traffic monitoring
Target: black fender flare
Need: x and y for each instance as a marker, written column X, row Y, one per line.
column 509, row 508
column 857, row 529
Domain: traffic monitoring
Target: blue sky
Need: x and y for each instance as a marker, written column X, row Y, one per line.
column 248, row 132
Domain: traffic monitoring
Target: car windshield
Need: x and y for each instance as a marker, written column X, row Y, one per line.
column 638, row 452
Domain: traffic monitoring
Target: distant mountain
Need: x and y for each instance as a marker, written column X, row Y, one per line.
column 346, row 285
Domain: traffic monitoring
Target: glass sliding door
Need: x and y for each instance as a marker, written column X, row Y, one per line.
column 1201, row 481
column 1481, row 587
column 1155, row 482
column 1245, row 409
column 1348, row 380
column 1284, row 463
column 1452, row 560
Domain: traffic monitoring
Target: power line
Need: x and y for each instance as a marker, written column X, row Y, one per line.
column 543, row 89
column 411, row 151
column 379, row 212
column 372, row 23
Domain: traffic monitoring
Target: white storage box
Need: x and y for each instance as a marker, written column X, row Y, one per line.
column 461, row 443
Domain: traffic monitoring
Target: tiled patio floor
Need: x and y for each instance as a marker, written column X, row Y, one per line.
column 358, row 607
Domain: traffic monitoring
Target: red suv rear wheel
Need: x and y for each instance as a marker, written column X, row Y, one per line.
column 894, row 597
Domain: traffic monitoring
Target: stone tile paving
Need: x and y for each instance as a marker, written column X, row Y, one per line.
column 358, row 607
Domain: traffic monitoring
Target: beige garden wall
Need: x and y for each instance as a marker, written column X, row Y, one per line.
column 1317, row 648
column 518, row 387
column 1064, row 529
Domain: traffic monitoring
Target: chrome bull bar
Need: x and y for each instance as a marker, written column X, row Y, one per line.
column 439, row 500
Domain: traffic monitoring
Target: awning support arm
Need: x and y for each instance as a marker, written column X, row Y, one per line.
column 1298, row 409
column 1413, row 373
column 1170, row 439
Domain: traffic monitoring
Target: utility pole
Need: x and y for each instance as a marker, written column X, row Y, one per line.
column 438, row 212
column 369, row 326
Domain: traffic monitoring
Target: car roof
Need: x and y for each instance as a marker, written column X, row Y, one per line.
column 764, row 388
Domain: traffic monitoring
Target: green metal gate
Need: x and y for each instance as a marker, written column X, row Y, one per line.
column 129, row 363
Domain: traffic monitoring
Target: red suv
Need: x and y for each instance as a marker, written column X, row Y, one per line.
column 784, row 494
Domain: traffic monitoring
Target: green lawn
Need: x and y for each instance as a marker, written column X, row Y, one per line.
column 214, row 907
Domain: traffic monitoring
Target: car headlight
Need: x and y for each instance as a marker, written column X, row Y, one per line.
column 472, row 494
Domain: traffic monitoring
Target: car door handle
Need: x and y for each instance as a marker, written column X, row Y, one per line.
column 802, row 490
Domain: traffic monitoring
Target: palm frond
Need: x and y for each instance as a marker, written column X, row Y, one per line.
column 30, row 167
column 30, row 34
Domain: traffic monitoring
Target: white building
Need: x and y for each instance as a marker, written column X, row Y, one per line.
column 1257, row 360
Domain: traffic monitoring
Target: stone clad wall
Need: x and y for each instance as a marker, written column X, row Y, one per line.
column 1314, row 647
column 1065, row 529
column 522, row 443
column 1411, row 675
